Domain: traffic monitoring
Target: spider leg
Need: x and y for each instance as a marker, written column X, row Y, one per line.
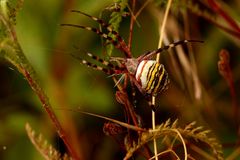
column 102, row 61
column 100, row 21
column 119, row 43
column 97, row 31
column 149, row 54
column 119, row 80
column 108, row 71
column 133, row 79
column 105, row 63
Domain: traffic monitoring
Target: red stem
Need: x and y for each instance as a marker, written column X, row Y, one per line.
column 27, row 73
column 212, row 20
column 131, row 25
column 51, row 114
column 217, row 8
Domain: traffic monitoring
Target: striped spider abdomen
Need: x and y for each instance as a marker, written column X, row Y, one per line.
column 152, row 77
column 149, row 76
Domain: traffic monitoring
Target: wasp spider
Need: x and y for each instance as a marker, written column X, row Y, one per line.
column 149, row 76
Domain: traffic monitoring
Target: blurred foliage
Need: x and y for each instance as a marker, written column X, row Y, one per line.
column 70, row 85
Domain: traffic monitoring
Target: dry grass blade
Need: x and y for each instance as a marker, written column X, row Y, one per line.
column 126, row 125
column 234, row 155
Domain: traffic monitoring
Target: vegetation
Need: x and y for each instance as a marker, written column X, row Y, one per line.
column 80, row 113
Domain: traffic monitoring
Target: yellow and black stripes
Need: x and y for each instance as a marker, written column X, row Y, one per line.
column 152, row 76
column 149, row 76
column 157, row 79
column 161, row 81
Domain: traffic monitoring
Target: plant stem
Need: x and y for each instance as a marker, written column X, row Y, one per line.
column 131, row 25
column 217, row 8
column 12, row 52
column 158, row 59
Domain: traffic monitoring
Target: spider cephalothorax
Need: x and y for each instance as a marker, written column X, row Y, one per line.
column 149, row 76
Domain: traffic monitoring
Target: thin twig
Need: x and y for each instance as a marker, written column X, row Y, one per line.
column 141, row 9
column 234, row 155
column 196, row 10
column 153, row 127
column 183, row 142
column 158, row 59
column 167, row 151
column 217, row 8
column 46, row 105
column 201, row 152
column 194, row 74
column 131, row 25
column 163, row 28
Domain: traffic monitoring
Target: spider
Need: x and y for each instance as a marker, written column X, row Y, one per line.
column 149, row 76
